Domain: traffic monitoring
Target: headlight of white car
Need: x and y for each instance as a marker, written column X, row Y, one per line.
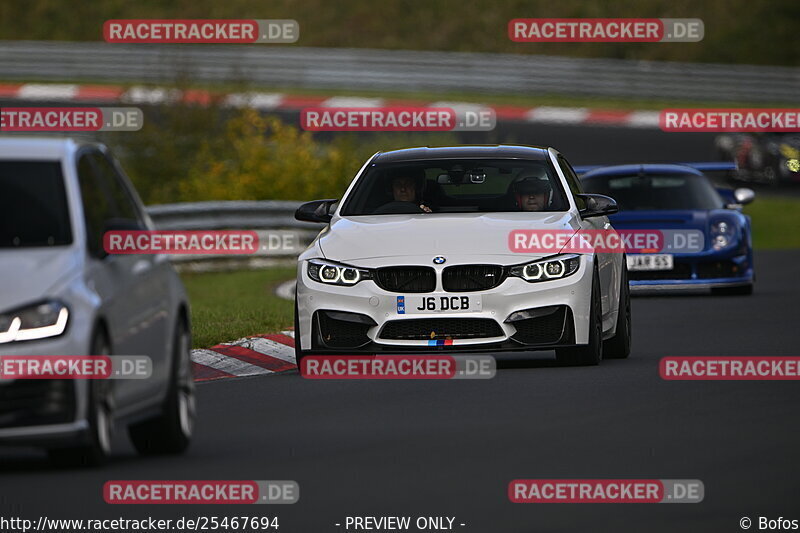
column 547, row 269
column 336, row 273
column 39, row 321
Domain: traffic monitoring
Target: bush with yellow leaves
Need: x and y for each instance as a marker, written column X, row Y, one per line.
column 197, row 154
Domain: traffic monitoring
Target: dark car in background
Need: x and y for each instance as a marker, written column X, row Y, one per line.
column 680, row 199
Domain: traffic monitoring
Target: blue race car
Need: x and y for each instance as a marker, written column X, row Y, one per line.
column 679, row 200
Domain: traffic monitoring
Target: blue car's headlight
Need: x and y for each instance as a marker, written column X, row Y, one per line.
column 720, row 227
column 38, row 321
column 722, row 234
column 547, row 269
column 336, row 273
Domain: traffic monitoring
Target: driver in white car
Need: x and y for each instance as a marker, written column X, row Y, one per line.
column 405, row 189
column 532, row 193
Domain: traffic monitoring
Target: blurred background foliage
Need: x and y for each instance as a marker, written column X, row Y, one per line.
column 194, row 153
column 736, row 31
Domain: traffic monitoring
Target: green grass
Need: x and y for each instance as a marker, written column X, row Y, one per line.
column 229, row 305
column 775, row 223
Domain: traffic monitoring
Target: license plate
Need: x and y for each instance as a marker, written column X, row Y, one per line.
column 650, row 262
column 412, row 305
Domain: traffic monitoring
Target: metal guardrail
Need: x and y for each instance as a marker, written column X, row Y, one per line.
column 280, row 235
column 267, row 214
column 396, row 70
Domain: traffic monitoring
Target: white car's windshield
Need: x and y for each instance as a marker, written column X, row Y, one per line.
column 456, row 186
column 33, row 205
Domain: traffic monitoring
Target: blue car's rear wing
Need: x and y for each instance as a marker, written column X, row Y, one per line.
column 710, row 166
column 583, row 169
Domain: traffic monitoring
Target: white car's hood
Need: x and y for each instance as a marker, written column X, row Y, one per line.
column 31, row 274
column 458, row 234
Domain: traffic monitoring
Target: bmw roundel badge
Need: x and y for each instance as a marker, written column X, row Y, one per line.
column 439, row 259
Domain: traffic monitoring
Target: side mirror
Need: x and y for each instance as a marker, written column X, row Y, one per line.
column 316, row 211
column 598, row 205
column 735, row 199
column 744, row 196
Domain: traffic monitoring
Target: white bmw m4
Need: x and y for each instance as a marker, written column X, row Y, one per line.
column 416, row 258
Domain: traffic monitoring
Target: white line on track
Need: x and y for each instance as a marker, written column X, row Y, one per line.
column 269, row 347
column 230, row 365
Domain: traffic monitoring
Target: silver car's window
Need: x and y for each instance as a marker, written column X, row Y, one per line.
column 122, row 203
column 33, row 205
column 454, row 186
column 96, row 205
column 105, row 198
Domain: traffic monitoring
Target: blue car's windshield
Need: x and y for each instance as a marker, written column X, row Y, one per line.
column 656, row 192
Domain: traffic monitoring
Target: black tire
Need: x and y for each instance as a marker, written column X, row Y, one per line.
column 619, row 346
column 298, row 353
column 591, row 353
column 97, row 448
column 742, row 290
column 171, row 431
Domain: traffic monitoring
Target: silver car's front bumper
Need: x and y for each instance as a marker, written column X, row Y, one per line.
column 73, row 424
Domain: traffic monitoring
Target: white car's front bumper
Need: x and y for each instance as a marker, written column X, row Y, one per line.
column 366, row 298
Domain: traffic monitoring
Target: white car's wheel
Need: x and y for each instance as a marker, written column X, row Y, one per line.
column 619, row 346
column 298, row 353
column 592, row 352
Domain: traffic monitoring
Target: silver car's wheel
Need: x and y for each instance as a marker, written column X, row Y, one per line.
column 172, row 430
column 187, row 402
column 100, row 417
column 102, row 427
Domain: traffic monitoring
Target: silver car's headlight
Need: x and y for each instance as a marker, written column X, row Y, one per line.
column 547, row 269
column 38, row 321
column 335, row 273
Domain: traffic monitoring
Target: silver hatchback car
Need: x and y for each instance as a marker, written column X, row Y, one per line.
column 62, row 294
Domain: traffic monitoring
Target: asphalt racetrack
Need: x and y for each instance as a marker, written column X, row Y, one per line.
column 450, row 448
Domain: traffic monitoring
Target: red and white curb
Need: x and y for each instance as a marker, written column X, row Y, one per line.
column 266, row 101
column 250, row 356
